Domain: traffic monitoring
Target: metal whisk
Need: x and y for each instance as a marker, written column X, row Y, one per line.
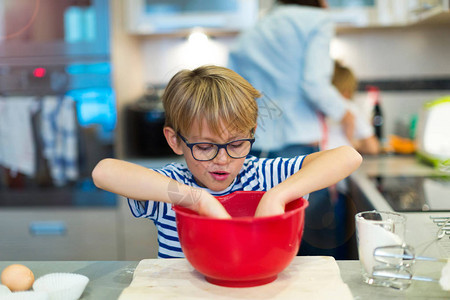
column 396, row 261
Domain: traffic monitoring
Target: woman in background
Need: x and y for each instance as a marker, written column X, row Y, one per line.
column 286, row 57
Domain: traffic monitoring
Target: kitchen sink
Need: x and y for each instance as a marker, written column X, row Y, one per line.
column 415, row 193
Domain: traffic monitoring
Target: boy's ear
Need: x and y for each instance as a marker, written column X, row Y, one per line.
column 254, row 130
column 172, row 139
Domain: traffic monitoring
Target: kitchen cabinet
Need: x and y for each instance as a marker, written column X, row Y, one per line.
column 387, row 13
column 154, row 17
column 139, row 235
column 79, row 233
column 58, row 234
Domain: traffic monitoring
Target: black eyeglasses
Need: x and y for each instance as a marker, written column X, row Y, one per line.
column 208, row 151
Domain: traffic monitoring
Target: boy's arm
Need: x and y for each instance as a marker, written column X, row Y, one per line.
column 139, row 183
column 319, row 170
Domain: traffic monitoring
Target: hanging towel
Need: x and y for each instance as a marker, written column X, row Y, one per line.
column 17, row 145
column 59, row 138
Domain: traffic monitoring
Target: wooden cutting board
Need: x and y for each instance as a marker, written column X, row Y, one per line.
column 307, row 277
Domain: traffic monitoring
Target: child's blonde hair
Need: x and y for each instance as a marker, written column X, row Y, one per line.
column 216, row 94
column 344, row 80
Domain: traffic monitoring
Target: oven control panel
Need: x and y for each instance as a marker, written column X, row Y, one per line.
column 35, row 80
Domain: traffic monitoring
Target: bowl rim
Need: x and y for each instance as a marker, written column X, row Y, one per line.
column 186, row 212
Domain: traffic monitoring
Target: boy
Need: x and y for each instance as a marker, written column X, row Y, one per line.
column 211, row 117
column 364, row 139
column 365, row 142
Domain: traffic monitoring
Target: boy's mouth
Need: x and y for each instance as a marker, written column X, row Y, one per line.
column 219, row 175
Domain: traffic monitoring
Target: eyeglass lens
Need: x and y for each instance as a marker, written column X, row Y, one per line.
column 206, row 151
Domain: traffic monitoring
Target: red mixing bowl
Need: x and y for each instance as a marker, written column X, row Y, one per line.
column 243, row 251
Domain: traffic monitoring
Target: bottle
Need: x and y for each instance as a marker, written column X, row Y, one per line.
column 377, row 117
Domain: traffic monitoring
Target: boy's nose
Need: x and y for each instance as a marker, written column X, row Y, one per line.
column 222, row 156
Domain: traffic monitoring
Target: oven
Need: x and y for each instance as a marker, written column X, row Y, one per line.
column 57, row 103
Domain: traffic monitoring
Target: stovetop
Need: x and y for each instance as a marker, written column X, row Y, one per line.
column 415, row 193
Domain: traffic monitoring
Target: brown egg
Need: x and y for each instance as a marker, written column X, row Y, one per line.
column 17, row 277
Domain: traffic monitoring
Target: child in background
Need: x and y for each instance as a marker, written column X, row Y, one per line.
column 211, row 115
column 364, row 139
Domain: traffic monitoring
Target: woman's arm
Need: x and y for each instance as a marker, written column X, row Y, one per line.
column 139, row 183
column 320, row 170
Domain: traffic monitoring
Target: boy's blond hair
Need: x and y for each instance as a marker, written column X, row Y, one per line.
column 344, row 80
column 216, row 94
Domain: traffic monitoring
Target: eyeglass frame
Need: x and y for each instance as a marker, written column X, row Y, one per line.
column 219, row 146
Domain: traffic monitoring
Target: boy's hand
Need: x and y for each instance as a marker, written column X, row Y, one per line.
column 211, row 207
column 270, row 205
column 196, row 199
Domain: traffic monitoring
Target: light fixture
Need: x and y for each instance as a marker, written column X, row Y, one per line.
column 197, row 37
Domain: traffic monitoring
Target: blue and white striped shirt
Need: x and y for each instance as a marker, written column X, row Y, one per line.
column 257, row 174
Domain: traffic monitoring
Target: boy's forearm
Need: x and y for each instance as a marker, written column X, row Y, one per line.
column 139, row 183
column 131, row 180
column 319, row 170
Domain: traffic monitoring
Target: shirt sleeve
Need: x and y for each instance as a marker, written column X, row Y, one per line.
column 274, row 171
column 143, row 209
column 282, row 168
column 318, row 68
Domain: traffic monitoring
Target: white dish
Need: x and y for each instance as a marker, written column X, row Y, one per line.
column 4, row 290
column 62, row 286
